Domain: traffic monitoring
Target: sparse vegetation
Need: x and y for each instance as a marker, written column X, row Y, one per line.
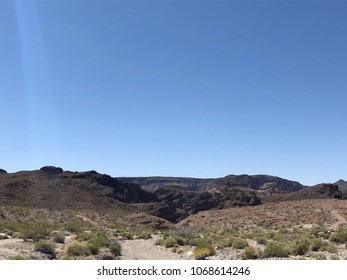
column 45, row 246
column 276, row 250
column 116, row 248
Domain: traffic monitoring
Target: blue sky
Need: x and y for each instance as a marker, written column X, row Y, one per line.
column 180, row 88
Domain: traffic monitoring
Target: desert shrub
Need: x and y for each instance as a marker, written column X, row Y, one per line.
column 58, row 237
column 339, row 236
column 116, row 248
column 334, row 257
column 127, row 235
column 250, row 253
column 74, row 227
column 275, row 250
column 261, row 240
column 145, row 235
column 99, row 240
column 19, row 258
column 36, row 231
column 160, row 242
column 169, row 242
column 318, row 244
column 300, row 247
column 240, row 243
column 182, row 240
column 201, row 242
column 76, row 249
column 85, row 236
column 201, row 253
column 320, row 256
column 93, row 249
column 45, row 246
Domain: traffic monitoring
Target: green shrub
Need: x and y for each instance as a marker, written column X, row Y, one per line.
column 261, row 240
column 19, row 258
column 36, row 231
column 160, row 242
column 145, row 235
column 202, row 242
column 240, row 243
column 301, row 247
column 169, row 242
column 201, row 253
column 99, row 240
column 320, row 256
column 182, row 240
column 74, row 227
column 85, row 236
column 339, row 236
column 58, row 237
column 45, row 246
column 318, row 245
column 275, row 250
column 76, row 249
column 116, row 249
column 334, row 257
column 250, row 253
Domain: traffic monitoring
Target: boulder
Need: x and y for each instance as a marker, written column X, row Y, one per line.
column 3, row 171
column 52, row 170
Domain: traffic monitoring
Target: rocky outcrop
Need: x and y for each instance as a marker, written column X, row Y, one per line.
column 255, row 182
column 342, row 185
column 177, row 205
column 2, row 171
column 52, row 170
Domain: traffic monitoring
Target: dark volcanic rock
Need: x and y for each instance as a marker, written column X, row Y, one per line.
column 321, row 191
column 255, row 182
column 128, row 193
column 342, row 185
column 177, row 204
column 52, row 170
column 3, row 171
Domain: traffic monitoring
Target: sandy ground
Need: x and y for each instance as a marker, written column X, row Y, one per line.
column 140, row 249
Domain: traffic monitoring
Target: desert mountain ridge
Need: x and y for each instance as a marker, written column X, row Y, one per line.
column 170, row 198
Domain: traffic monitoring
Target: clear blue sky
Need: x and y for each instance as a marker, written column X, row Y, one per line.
column 181, row 88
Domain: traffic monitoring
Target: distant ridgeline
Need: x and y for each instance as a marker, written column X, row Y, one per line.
column 169, row 198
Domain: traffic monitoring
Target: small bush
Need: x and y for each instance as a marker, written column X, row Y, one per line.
column 261, row 240
column 19, row 258
column 99, row 240
column 339, row 236
column 318, row 245
column 73, row 227
column 181, row 241
column 160, row 242
column 240, row 243
column 145, row 235
column 202, row 242
column 116, row 249
column 201, row 253
column 58, row 237
column 250, row 253
column 320, row 256
column 36, row 231
column 76, row 249
column 301, row 248
column 45, row 247
column 169, row 242
column 275, row 250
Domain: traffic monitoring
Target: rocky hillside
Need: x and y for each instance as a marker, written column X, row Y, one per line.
column 56, row 189
column 255, row 182
column 320, row 191
column 342, row 185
